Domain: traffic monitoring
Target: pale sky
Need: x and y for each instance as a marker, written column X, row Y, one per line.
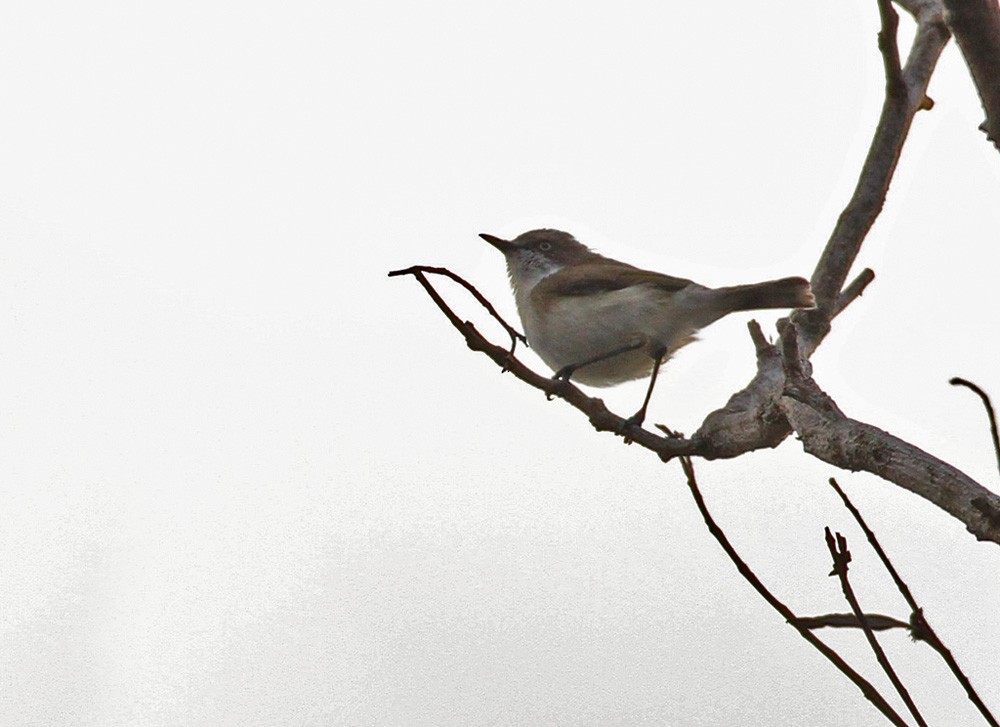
column 247, row 479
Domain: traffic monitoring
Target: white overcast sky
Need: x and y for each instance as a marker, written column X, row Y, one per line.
column 247, row 479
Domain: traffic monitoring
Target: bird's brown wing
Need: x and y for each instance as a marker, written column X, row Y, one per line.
column 597, row 278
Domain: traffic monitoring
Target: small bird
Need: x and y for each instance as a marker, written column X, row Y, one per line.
column 602, row 322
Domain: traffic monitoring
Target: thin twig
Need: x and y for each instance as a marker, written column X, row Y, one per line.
column 875, row 621
column 867, row 689
column 853, row 291
column 956, row 381
column 920, row 629
column 514, row 334
column 895, row 86
column 841, row 557
column 877, row 547
column 601, row 418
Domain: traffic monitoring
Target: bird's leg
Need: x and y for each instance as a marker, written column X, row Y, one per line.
column 567, row 371
column 640, row 416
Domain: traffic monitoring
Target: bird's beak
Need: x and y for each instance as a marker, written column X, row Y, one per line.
column 503, row 246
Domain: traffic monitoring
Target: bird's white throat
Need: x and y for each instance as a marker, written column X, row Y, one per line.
column 526, row 270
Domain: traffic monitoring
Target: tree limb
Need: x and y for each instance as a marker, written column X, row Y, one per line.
column 751, row 418
column 905, row 95
column 829, row 435
column 976, row 25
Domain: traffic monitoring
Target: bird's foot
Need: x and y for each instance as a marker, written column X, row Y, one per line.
column 634, row 421
column 564, row 373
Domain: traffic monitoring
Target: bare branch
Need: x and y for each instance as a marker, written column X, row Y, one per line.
column 869, row 691
column 853, row 291
column 991, row 415
column 828, row 434
column 515, row 336
column 752, row 419
column 900, row 583
column 976, row 25
column 921, row 8
column 875, row 621
column 602, row 418
column 888, row 46
column 901, row 104
column 920, row 629
column 841, row 557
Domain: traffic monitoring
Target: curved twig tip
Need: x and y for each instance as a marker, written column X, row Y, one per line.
column 988, row 405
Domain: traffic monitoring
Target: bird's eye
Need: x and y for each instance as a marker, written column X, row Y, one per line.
column 543, row 246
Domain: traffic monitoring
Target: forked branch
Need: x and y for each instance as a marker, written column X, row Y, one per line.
column 800, row 625
column 920, row 629
column 841, row 560
column 751, row 419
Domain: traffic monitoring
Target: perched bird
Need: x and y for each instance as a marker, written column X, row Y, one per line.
column 601, row 322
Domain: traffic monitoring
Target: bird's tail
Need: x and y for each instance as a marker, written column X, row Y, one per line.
column 784, row 293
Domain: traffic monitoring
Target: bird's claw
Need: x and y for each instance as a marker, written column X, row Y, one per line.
column 564, row 373
column 635, row 420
